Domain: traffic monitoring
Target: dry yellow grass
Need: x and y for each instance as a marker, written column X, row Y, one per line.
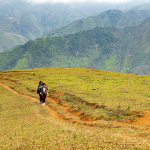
column 24, row 124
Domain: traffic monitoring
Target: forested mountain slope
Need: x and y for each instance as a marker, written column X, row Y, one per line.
column 101, row 48
column 71, row 50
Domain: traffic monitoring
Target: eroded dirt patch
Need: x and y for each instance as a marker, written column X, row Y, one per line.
column 143, row 118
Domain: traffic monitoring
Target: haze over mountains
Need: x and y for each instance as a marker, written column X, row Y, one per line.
column 21, row 21
column 112, row 40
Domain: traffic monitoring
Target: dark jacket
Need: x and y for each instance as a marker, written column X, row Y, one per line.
column 39, row 89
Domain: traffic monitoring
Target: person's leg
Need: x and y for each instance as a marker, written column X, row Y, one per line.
column 43, row 98
column 40, row 98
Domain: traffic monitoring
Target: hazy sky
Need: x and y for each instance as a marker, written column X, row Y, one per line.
column 65, row 1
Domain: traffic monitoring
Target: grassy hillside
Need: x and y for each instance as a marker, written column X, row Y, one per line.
column 94, row 86
column 36, row 128
column 110, row 18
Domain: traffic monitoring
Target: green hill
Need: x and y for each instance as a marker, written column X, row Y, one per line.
column 71, row 50
column 101, row 48
column 78, row 50
column 110, row 18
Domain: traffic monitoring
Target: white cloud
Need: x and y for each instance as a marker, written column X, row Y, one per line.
column 66, row 1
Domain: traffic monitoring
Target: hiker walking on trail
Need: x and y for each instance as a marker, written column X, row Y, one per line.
column 44, row 93
column 39, row 91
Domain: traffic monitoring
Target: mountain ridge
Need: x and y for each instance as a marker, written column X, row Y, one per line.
column 111, row 18
column 101, row 48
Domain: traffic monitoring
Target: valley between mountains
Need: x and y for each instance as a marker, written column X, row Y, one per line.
column 85, row 35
